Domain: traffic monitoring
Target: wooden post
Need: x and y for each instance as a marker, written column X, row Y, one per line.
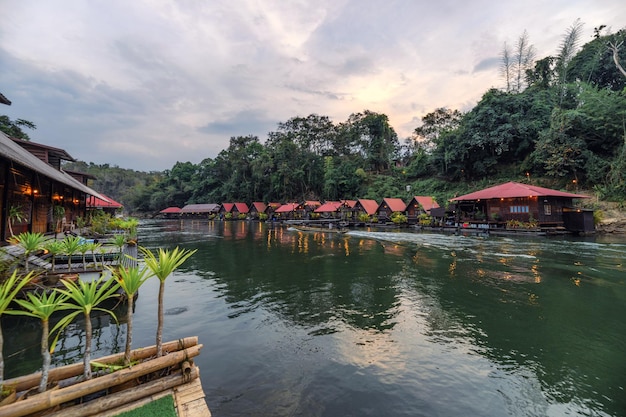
column 26, row 382
column 56, row 397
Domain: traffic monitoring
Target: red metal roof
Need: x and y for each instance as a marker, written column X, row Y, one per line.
column 95, row 202
column 515, row 190
column 170, row 210
column 349, row 203
column 228, row 207
column 259, row 206
column 242, row 207
column 286, row 208
column 370, row 206
column 329, row 207
column 426, row 202
column 394, row 204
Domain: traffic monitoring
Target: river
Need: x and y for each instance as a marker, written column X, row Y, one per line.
column 392, row 323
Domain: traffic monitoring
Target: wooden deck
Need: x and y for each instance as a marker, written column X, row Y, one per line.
column 188, row 400
column 149, row 379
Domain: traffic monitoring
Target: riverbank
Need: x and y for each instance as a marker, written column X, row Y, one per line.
column 613, row 219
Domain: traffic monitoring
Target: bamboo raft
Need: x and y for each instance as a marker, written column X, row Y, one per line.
column 117, row 391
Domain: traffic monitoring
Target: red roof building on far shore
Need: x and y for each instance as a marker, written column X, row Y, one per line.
column 108, row 205
column 171, row 210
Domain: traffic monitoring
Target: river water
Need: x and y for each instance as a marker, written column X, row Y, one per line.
column 392, row 323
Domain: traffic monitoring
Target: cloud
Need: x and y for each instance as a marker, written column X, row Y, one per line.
column 145, row 84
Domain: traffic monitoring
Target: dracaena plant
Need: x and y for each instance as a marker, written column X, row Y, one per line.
column 9, row 288
column 42, row 306
column 162, row 264
column 130, row 280
column 84, row 297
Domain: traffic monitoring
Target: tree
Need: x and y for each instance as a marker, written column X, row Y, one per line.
column 84, row 298
column 14, row 128
column 42, row 306
column 9, row 288
column 569, row 46
column 130, row 280
column 162, row 265
column 515, row 65
column 436, row 123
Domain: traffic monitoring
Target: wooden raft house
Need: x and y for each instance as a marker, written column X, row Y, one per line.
column 110, row 393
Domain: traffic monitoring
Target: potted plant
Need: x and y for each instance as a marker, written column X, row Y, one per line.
column 58, row 213
column 16, row 214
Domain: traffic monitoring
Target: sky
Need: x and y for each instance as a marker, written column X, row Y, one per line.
column 143, row 84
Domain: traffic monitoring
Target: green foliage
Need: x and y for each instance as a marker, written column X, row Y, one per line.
column 30, row 242
column 14, row 128
column 562, row 117
column 364, row 217
column 398, row 218
column 9, row 288
column 83, row 298
column 263, row 216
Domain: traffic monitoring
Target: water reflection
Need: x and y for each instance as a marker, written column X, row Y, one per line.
column 312, row 323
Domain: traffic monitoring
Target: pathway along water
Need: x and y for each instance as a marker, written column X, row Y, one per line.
column 381, row 323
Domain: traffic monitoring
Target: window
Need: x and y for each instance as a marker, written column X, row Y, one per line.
column 547, row 209
column 518, row 209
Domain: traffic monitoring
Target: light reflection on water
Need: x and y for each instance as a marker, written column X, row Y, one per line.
column 297, row 323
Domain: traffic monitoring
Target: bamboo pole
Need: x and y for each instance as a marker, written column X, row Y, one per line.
column 27, row 382
column 53, row 398
column 125, row 397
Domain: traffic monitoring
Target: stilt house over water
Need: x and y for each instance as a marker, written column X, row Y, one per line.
column 513, row 201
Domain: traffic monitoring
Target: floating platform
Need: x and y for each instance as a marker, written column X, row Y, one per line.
column 111, row 392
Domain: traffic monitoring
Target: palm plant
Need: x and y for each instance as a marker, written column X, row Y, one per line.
column 95, row 247
column 119, row 241
column 71, row 245
column 15, row 215
column 30, row 242
column 130, row 279
column 54, row 247
column 9, row 288
column 162, row 266
column 83, row 249
column 84, row 297
column 42, row 306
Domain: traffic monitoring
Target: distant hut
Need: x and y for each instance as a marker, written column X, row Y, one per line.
column 363, row 207
column 191, row 211
column 330, row 209
column 257, row 208
column 515, row 202
column 389, row 206
column 288, row 211
column 170, row 212
column 420, row 205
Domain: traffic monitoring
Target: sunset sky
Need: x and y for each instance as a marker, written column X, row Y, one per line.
column 143, row 84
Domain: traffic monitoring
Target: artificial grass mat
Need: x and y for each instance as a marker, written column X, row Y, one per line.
column 163, row 407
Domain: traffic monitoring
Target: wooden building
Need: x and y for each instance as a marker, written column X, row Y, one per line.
column 513, row 201
column 389, row 206
column 420, row 205
column 33, row 184
column 192, row 211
